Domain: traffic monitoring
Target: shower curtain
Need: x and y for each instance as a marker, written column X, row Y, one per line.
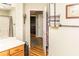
column 5, row 26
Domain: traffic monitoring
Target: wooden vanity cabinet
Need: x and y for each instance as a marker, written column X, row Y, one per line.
column 4, row 53
column 16, row 51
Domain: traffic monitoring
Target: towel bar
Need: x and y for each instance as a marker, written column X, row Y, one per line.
column 69, row 26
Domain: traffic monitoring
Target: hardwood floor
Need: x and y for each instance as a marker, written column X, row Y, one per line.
column 36, row 46
column 36, row 51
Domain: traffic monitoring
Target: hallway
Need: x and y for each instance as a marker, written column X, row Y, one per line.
column 36, row 48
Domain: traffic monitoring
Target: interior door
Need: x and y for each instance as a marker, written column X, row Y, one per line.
column 4, row 26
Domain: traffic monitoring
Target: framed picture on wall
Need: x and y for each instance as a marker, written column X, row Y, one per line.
column 72, row 11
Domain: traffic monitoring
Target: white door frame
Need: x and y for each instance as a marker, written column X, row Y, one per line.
column 44, row 27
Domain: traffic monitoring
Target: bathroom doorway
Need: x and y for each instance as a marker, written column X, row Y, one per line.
column 36, row 33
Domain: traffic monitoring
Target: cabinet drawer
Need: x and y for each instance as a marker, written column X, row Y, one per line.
column 4, row 53
column 21, row 53
column 16, row 49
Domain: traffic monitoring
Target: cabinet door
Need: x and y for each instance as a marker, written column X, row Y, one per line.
column 21, row 53
column 4, row 53
column 16, row 49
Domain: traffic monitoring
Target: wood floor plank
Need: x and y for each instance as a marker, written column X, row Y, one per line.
column 38, row 52
column 35, row 51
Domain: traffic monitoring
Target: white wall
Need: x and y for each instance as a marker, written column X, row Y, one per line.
column 65, row 40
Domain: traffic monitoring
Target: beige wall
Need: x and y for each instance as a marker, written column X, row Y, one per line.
column 65, row 40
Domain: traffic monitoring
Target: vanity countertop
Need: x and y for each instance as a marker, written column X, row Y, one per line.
column 8, row 43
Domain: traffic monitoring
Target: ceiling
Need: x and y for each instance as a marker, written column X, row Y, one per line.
column 5, row 6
